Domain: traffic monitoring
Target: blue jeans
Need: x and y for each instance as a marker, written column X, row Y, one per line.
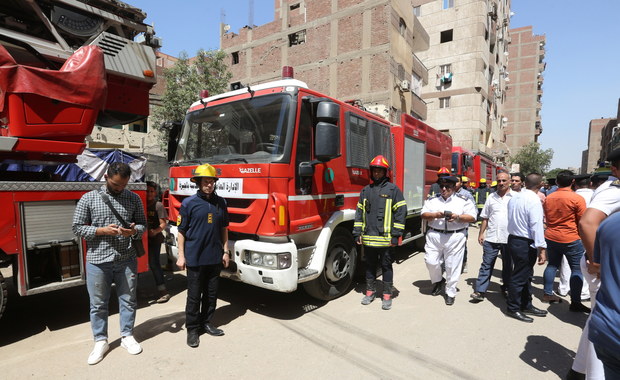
column 99, row 279
column 489, row 255
column 611, row 362
column 573, row 252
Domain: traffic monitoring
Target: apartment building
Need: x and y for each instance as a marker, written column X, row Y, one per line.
column 348, row 49
column 526, row 65
column 592, row 155
column 467, row 66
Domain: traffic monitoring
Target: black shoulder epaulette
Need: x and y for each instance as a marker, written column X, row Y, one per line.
column 615, row 183
column 461, row 196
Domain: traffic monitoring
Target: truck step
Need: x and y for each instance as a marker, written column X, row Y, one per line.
column 306, row 272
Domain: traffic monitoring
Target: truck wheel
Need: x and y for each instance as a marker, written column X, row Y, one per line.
column 3, row 295
column 339, row 268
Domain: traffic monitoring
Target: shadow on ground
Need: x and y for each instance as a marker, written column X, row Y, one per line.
column 546, row 355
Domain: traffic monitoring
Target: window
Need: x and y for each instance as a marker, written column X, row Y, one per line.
column 446, row 36
column 294, row 6
column 447, row 4
column 416, row 84
column 402, row 27
column 297, row 38
column 235, row 58
column 416, row 11
column 445, row 69
column 138, row 126
column 357, row 141
column 444, row 102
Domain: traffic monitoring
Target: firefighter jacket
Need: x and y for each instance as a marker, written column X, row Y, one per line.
column 380, row 214
column 481, row 195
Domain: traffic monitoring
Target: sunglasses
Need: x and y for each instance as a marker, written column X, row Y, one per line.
column 446, row 186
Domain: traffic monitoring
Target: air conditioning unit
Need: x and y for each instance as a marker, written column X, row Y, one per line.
column 404, row 85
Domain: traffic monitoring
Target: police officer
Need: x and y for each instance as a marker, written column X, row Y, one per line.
column 434, row 190
column 480, row 195
column 464, row 192
column 203, row 240
column 379, row 223
column 448, row 215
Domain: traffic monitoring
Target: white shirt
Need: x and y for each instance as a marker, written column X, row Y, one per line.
column 458, row 204
column 586, row 194
column 606, row 197
column 496, row 211
column 525, row 217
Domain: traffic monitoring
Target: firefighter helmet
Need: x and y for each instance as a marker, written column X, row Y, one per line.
column 379, row 162
column 443, row 171
column 483, row 180
column 494, row 183
column 204, row 170
column 465, row 179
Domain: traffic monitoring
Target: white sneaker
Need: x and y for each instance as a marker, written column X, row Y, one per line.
column 101, row 347
column 130, row 344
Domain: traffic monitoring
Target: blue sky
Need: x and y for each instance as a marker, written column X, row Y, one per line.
column 582, row 54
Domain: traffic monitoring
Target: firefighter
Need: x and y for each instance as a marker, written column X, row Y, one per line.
column 448, row 215
column 379, row 224
column 434, row 190
column 202, row 243
column 480, row 195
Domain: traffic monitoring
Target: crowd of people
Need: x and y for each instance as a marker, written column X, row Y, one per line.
column 568, row 225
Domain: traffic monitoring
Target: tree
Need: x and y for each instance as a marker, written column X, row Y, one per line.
column 185, row 80
column 532, row 159
column 553, row 172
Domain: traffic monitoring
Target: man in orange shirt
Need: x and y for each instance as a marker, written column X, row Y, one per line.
column 563, row 209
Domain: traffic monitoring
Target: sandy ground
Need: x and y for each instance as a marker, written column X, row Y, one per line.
column 282, row 336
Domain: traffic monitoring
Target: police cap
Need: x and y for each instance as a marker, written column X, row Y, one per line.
column 449, row 178
column 579, row 177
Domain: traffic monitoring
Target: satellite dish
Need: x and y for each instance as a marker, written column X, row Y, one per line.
column 226, row 27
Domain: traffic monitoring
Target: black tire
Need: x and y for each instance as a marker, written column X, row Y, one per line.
column 339, row 269
column 4, row 296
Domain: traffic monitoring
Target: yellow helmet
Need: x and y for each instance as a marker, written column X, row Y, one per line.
column 494, row 183
column 483, row 180
column 204, row 170
column 465, row 179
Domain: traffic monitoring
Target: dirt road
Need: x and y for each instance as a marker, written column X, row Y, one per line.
column 283, row 336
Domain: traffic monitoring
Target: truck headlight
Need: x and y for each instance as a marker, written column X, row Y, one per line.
column 268, row 260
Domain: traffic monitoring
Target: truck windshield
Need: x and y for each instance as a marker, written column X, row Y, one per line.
column 248, row 131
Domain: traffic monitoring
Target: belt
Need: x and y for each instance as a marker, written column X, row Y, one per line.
column 446, row 232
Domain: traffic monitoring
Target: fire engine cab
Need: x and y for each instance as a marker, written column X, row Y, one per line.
column 291, row 163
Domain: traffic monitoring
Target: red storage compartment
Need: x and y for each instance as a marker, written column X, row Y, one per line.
column 35, row 116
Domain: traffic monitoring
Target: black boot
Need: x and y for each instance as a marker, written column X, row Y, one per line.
column 371, row 292
column 386, row 302
column 193, row 338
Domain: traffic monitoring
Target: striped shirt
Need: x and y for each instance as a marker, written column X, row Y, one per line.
column 91, row 212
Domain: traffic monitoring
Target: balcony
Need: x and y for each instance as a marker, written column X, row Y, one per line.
column 421, row 40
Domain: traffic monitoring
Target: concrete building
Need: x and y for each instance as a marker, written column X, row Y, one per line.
column 348, row 49
column 467, row 64
column 524, row 94
column 591, row 157
column 610, row 136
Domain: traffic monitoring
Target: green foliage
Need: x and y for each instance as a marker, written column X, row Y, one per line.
column 553, row 172
column 532, row 159
column 185, row 80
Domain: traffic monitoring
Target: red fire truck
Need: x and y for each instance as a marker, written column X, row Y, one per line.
column 291, row 163
column 463, row 162
column 484, row 167
column 64, row 66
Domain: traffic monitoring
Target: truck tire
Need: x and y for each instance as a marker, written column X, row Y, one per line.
column 3, row 295
column 340, row 263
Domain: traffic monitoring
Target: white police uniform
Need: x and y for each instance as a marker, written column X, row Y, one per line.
column 445, row 241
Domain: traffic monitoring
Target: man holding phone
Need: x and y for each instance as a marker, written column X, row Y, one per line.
column 448, row 215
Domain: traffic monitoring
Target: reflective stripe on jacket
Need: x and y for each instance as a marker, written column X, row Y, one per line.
column 380, row 214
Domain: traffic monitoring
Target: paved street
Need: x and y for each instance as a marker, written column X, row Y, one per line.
column 283, row 336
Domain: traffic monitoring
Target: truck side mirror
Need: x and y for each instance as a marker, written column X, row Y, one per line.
column 328, row 112
column 327, row 133
column 174, row 130
column 326, row 142
column 306, row 169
